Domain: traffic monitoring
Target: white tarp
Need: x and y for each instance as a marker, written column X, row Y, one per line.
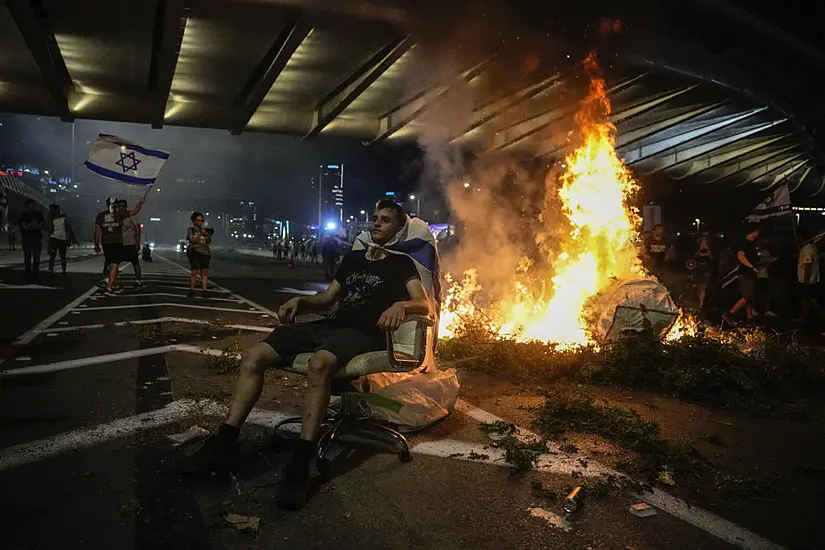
column 425, row 397
column 633, row 306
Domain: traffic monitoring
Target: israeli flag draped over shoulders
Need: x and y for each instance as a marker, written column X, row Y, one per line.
column 120, row 160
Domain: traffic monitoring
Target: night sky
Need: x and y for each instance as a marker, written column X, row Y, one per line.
column 272, row 170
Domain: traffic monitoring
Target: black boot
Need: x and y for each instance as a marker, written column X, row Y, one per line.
column 293, row 491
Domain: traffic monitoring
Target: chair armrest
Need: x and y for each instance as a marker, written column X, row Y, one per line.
column 423, row 322
column 426, row 320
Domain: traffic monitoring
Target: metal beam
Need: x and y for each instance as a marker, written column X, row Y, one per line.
column 801, row 179
column 646, row 104
column 818, row 191
column 783, row 177
column 688, row 60
column 771, row 167
column 546, row 119
column 746, row 165
column 268, row 70
column 711, row 161
column 692, row 153
column 625, row 139
column 170, row 23
column 357, row 82
column 494, row 109
column 387, row 125
column 33, row 23
column 644, row 152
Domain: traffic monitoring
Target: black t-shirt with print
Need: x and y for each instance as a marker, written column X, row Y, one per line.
column 111, row 226
column 657, row 250
column 749, row 248
column 369, row 288
column 33, row 217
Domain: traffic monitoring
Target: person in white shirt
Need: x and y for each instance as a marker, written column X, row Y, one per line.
column 60, row 237
column 807, row 272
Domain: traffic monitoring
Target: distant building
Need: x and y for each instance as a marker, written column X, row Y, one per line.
column 330, row 195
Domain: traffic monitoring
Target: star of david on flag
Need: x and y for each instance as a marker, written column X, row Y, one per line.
column 120, row 160
column 128, row 161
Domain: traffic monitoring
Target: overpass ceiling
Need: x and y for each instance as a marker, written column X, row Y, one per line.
column 688, row 103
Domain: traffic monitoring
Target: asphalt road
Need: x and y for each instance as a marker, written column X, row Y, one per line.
column 86, row 406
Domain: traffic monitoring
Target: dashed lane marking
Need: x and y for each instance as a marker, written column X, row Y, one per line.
column 171, row 295
column 33, row 332
column 238, row 296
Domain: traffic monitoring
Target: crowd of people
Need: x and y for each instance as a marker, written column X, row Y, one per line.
column 329, row 252
column 33, row 227
column 700, row 276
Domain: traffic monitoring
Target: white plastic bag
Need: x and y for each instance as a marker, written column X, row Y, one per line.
column 425, row 398
column 633, row 306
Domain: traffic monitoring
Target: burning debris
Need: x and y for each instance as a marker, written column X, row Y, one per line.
column 586, row 283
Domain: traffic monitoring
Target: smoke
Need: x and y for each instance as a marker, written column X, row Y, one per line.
column 474, row 61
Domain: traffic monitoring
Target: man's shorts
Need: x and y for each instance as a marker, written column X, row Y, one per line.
column 747, row 287
column 130, row 253
column 113, row 252
column 197, row 260
column 344, row 343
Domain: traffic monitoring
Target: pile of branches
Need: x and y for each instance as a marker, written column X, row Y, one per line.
column 705, row 368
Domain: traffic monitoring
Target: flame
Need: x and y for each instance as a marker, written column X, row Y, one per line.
column 598, row 248
column 685, row 325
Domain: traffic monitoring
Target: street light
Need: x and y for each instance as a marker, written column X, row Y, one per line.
column 417, row 199
column 698, row 222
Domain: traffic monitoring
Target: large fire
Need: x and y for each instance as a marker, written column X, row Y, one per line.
column 599, row 247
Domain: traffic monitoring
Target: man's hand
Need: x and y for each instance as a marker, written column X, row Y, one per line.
column 287, row 311
column 392, row 318
column 97, row 248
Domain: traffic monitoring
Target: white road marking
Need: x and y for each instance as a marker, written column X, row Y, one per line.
column 704, row 520
column 238, row 296
column 290, row 290
column 164, row 304
column 29, row 286
column 43, row 448
column 559, row 463
column 33, row 332
column 212, row 288
column 251, row 328
column 108, row 358
column 26, row 453
column 134, row 294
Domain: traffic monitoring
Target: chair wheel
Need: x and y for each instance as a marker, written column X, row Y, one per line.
column 280, row 442
column 404, row 455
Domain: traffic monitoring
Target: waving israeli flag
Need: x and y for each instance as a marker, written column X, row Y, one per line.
column 121, row 160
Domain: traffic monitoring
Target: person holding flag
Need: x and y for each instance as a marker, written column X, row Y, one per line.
column 124, row 161
column 109, row 236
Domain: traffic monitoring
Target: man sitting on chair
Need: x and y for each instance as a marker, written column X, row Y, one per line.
column 373, row 291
